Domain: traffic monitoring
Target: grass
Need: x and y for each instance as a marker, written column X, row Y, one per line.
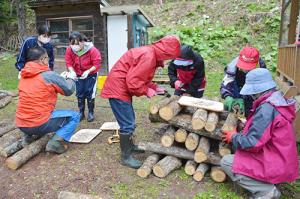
column 8, row 72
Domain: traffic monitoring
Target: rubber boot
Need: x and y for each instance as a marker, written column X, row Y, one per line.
column 81, row 106
column 55, row 145
column 135, row 148
column 91, row 105
column 126, row 152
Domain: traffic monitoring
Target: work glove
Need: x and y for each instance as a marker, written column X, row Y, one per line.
column 69, row 75
column 227, row 135
column 19, row 75
column 240, row 103
column 178, row 84
column 85, row 74
column 228, row 103
column 151, row 92
column 160, row 90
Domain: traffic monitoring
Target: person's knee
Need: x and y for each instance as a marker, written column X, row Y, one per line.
column 226, row 161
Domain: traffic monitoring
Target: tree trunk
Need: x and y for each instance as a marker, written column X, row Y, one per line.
column 21, row 18
column 202, row 151
column 146, row 169
column 192, row 141
column 190, row 167
column 199, row 119
column 180, row 135
column 71, row 195
column 200, row 172
column 166, row 165
column 224, row 149
column 217, row 174
column 10, row 138
column 212, row 121
column 230, row 123
column 5, row 128
column 28, row 152
column 169, row 111
column 168, row 138
column 154, row 108
column 4, row 101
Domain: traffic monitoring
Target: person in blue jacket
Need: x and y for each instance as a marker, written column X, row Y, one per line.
column 43, row 40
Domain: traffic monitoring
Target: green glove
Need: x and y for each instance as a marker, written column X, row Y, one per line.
column 228, row 103
column 239, row 102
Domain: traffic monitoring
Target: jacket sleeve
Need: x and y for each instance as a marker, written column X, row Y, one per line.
column 51, row 56
column 96, row 58
column 172, row 72
column 68, row 58
column 22, row 55
column 200, row 74
column 262, row 63
column 259, row 132
column 227, row 85
column 60, row 85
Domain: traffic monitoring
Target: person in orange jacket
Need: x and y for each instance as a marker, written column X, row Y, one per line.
column 131, row 76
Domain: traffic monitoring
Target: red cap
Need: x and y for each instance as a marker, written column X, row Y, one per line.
column 248, row 58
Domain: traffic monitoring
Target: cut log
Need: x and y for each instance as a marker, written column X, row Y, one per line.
column 154, row 108
column 180, row 135
column 2, row 95
column 201, row 103
column 166, row 165
column 11, row 149
column 154, row 118
column 217, row 174
column 202, row 151
column 146, row 169
column 199, row 119
column 6, row 127
column 10, row 138
column 169, row 111
column 192, row 141
column 190, row 167
column 4, row 101
column 168, row 138
column 224, row 149
column 71, row 195
column 212, row 121
column 28, row 152
column 200, row 172
column 13, row 94
column 230, row 123
column 161, row 129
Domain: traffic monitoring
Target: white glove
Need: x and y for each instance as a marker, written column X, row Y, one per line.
column 85, row 74
column 19, row 75
column 69, row 75
column 64, row 74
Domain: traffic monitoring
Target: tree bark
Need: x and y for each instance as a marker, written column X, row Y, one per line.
column 212, row 121
column 224, row 149
column 168, row 138
column 200, row 172
column 199, row 119
column 202, row 150
column 146, row 169
column 217, row 174
column 4, row 101
column 154, row 108
column 5, row 128
column 21, row 14
column 169, row 111
column 230, row 123
column 192, row 141
column 190, row 167
column 180, row 135
column 166, row 165
column 28, row 152
column 11, row 149
column 10, row 138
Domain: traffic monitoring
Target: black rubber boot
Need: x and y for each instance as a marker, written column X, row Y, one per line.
column 55, row 145
column 126, row 152
column 135, row 148
column 81, row 106
column 91, row 105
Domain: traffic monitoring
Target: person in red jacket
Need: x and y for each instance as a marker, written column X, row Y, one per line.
column 84, row 60
column 131, row 76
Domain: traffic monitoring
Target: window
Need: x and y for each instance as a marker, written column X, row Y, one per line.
column 62, row 27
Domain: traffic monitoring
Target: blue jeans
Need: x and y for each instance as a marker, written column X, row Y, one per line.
column 124, row 115
column 62, row 122
column 86, row 88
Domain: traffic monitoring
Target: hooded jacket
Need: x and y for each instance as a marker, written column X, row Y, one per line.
column 89, row 57
column 266, row 149
column 132, row 73
column 38, row 88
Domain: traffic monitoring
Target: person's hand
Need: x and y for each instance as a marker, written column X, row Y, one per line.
column 19, row 75
column 69, row 75
column 64, row 74
column 178, row 84
column 85, row 74
column 227, row 135
column 160, row 90
column 151, row 92
column 240, row 103
column 228, row 103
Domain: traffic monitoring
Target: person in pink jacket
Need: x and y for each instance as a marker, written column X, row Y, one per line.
column 266, row 151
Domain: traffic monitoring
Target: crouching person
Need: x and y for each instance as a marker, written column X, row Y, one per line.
column 38, row 89
column 266, row 152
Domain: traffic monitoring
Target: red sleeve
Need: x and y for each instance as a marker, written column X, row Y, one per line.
column 68, row 58
column 96, row 58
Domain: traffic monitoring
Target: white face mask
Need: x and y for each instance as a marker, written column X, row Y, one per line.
column 75, row 48
column 43, row 39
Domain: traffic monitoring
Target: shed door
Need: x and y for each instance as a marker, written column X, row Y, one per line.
column 117, row 38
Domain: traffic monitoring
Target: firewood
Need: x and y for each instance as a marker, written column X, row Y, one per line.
column 224, row 149
column 2, row 95
column 190, row 167
column 11, row 149
column 154, row 108
column 212, row 120
column 5, row 127
column 217, row 174
column 169, row 111
column 28, row 152
column 154, row 118
column 161, row 129
column 10, row 138
column 201, row 153
column 192, row 141
column 168, row 138
column 200, row 172
column 146, row 169
column 180, row 135
column 71, row 195
column 230, row 123
column 199, row 119
column 10, row 93
column 166, row 165
column 4, row 101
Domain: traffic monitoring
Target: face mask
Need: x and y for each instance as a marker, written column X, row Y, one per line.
column 75, row 48
column 43, row 39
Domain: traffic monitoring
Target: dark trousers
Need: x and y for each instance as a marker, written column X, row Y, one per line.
column 86, row 88
column 197, row 94
column 124, row 114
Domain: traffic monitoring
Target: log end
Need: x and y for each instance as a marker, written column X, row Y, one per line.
column 158, row 171
column 11, row 164
column 224, row 151
column 166, row 113
column 210, row 127
column 189, row 170
column 198, row 176
column 143, row 173
column 200, row 156
column 218, row 175
column 154, row 109
column 166, row 141
column 198, row 124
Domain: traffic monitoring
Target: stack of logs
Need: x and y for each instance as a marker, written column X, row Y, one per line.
column 6, row 97
column 191, row 136
column 14, row 149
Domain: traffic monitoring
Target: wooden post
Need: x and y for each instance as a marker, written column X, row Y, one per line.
column 202, row 150
column 217, row 174
column 199, row 119
column 180, row 135
column 169, row 111
column 166, row 165
column 224, row 149
column 190, row 167
column 168, row 138
column 146, row 169
column 192, row 141
column 230, row 123
column 200, row 172
column 154, row 108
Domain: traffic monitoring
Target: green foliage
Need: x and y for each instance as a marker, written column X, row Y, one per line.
column 8, row 13
column 8, row 72
column 221, row 191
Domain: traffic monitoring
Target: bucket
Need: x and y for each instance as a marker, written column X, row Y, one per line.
column 101, row 81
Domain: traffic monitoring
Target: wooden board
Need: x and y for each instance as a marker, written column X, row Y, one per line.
column 201, row 103
column 109, row 126
column 85, row 135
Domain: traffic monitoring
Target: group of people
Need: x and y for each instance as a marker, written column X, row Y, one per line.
column 265, row 151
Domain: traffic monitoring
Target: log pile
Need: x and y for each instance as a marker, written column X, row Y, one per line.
column 192, row 140
column 6, row 97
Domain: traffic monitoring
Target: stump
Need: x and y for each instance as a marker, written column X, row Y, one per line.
column 169, row 111
column 192, row 141
column 190, row 167
column 154, row 108
column 168, row 138
column 146, row 169
column 199, row 119
column 217, row 174
column 224, row 149
column 200, row 172
column 230, row 123
column 201, row 153
column 166, row 165
column 212, row 121
column 180, row 135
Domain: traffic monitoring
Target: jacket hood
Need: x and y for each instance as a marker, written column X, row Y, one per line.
column 167, row 48
column 32, row 69
column 86, row 47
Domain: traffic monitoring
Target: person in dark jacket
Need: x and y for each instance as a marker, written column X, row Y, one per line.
column 266, row 151
column 43, row 40
column 187, row 73
column 131, row 76
column 84, row 61
column 234, row 79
